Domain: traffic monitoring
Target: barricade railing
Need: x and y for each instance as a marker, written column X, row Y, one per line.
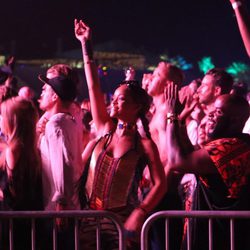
column 98, row 215
column 77, row 215
column 210, row 215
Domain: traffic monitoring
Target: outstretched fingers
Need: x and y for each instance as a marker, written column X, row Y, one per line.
column 175, row 91
column 171, row 97
column 171, row 91
column 84, row 25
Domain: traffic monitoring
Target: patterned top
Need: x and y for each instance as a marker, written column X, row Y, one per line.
column 226, row 190
column 112, row 183
column 231, row 157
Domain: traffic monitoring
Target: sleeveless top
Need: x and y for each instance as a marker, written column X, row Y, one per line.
column 112, row 183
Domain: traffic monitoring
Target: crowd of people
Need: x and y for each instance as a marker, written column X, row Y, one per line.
column 158, row 145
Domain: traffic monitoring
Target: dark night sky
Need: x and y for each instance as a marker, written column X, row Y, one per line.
column 193, row 28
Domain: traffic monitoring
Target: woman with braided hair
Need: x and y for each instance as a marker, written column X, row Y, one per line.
column 115, row 161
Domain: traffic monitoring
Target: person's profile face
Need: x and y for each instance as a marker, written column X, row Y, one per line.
column 206, row 90
column 45, row 100
column 146, row 80
column 122, row 104
column 157, row 82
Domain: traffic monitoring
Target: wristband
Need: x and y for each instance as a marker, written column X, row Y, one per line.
column 236, row 4
column 89, row 62
column 87, row 49
column 171, row 115
column 171, row 118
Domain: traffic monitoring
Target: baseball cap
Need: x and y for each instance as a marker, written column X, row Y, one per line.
column 64, row 87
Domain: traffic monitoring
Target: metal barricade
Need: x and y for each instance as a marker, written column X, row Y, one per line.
column 210, row 215
column 76, row 214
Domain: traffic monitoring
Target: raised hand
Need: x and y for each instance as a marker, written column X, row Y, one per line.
column 232, row 1
column 82, row 31
column 171, row 98
column 11, row 61
column 130, row 74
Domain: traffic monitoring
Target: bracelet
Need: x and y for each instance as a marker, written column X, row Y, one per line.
column 87, row 49
column 89, row 62
column 171, row 118
column 169, row 115
column 236, row 4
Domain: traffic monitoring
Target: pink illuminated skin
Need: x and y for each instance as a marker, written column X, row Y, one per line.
column 146, row 80
column 207, row 93
column 130, row 74
column 26, row 92
column 163, row 74
column 243, row 21
column 45, row 101
column 224, row 122
column 177, row 159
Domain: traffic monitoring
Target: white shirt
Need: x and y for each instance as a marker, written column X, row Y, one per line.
column 61, row 161
column 246, row 129
column 192, row 131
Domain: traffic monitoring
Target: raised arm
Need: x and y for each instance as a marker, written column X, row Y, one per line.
column 100, row 115
column 180, row 157
column 243, row 20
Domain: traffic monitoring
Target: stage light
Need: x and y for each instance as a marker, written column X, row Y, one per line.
column 205, row 64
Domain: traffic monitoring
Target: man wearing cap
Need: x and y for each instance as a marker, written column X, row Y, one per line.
column 59, row 146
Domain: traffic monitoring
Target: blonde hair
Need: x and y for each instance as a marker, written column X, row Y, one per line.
column 172, row 72
column 19, row 117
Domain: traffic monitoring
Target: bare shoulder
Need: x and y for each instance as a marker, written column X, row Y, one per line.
column 147, row 143
column 90, row 146
column 149, row 146
column 106, row 128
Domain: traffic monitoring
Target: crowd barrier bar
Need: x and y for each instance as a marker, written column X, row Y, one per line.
column 210, row 215
column 76, row 214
